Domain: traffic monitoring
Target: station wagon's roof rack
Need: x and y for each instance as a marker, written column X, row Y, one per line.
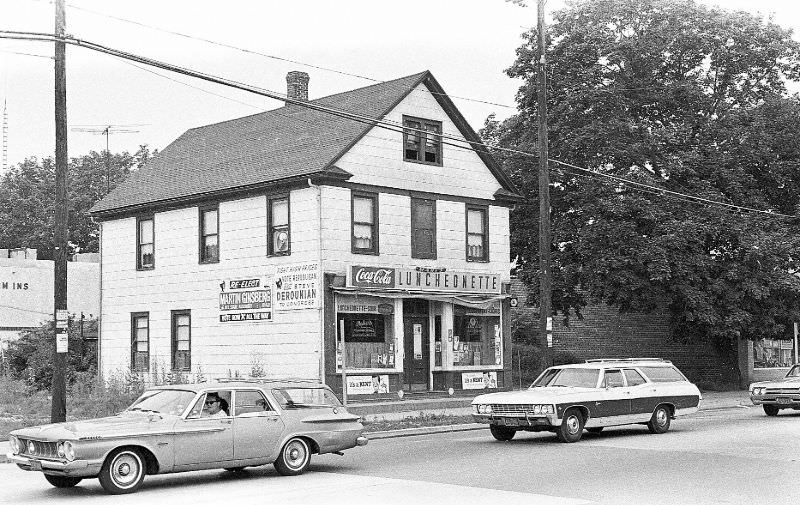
column 627, row 360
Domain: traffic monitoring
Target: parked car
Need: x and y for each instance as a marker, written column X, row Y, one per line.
column 778, row 394
column 570, row 398
column 230, row 425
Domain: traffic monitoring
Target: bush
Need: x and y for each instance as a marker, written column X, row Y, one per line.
column 30, row 357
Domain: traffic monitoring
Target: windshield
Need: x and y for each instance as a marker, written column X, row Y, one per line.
column 794, row 371
column 305, row 397
column 568, row 377
column 163, row 401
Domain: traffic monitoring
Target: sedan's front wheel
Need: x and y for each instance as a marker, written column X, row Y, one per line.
column 61, row 481
column 294, row 458
column 123, row 471
column 771, row 410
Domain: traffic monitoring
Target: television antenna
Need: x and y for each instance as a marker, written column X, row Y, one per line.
column 107, row 130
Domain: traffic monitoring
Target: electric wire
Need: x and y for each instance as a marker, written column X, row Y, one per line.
column 377, row 122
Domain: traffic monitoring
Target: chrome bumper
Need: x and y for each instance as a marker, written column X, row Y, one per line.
column 79, row 468
column 523, row 421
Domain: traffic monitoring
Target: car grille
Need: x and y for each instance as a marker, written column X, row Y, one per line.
column 43, row 450
column 518, row 409
column 782, row 391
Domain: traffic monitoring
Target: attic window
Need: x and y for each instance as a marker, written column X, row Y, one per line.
column 422, row 142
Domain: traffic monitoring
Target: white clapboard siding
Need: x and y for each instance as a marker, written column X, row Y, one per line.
column 179, row 282
column 377, row 158
column 395, row 235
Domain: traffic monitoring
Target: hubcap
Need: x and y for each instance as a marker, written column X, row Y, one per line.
column 125, row 470
column 572, row 424
column 661, row 417
column 295, row 454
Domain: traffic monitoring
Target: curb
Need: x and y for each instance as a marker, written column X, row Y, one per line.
column 424, row 430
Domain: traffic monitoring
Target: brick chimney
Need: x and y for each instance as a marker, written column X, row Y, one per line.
column 297, row 85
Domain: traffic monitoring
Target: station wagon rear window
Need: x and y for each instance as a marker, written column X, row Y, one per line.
column 662, row 374
column 305, row 397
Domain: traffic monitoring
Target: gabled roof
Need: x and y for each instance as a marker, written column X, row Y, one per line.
column 287, row 144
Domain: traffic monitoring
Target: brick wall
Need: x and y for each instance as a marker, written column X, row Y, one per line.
column 606, row 333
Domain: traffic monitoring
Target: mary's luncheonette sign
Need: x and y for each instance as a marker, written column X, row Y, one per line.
column 297, row 286
column 424, row 279
column 245, row 299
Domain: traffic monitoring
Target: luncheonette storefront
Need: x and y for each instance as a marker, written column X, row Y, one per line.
column 418, row 329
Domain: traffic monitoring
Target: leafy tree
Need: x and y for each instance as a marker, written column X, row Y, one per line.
column 27, row 196
column 681, row 98
column 30, row 357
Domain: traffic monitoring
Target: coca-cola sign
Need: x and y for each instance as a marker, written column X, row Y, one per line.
column 373, row 277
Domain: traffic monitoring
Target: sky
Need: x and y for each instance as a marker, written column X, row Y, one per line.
column 467, row 44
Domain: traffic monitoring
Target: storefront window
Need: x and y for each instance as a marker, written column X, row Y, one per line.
column 368, row 332
column 769, row 353
column 476, row 336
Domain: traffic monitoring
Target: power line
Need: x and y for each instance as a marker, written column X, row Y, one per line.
column 362, row 118
column 270, row 56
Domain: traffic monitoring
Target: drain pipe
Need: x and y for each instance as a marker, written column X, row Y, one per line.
column 321, row 308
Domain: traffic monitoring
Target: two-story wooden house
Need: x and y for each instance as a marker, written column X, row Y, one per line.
column 293, row 241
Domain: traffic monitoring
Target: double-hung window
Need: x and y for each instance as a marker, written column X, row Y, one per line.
column 145, row 246
column 278, row 219
column 209, row 234
column 364, row 223
column 422, row 141
column 181, row 340
column 477, row 233
column 423, row 228
column 140, row 342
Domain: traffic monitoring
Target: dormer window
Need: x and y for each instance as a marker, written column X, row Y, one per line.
column 422, row 141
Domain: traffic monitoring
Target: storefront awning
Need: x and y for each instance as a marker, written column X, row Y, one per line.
column 475, row 301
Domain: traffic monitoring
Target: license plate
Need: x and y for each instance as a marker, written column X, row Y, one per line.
column 511, row 422
column 36, row 464
column 784, row 401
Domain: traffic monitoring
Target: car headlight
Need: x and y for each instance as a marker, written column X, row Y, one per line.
column 537, row 409
column 758, row 391
column 14, row 443
column 548, row 409
column 484, row 409
column 66, row 450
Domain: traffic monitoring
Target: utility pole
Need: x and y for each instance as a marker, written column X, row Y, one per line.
column 58, row 412
column 545, row 280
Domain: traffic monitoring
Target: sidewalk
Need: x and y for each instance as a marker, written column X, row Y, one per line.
column 393, row 410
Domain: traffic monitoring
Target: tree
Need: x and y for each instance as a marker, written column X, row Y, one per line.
column 27, row 208
column 680, row 98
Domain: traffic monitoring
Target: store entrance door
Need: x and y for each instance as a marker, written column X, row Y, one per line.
column 417, row 361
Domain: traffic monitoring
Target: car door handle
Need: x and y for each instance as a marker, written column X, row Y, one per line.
column 225, row 421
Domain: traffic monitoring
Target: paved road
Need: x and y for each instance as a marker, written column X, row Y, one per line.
column 727, row 456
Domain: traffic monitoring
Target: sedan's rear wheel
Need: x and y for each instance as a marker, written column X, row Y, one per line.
column 660, row 421
column 571, row 427
column 62, row 481
column 123, row 471
column 502, row 433
column 771, row 410
column 294, row 458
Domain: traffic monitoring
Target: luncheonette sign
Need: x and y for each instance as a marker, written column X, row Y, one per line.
column 424, row 279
